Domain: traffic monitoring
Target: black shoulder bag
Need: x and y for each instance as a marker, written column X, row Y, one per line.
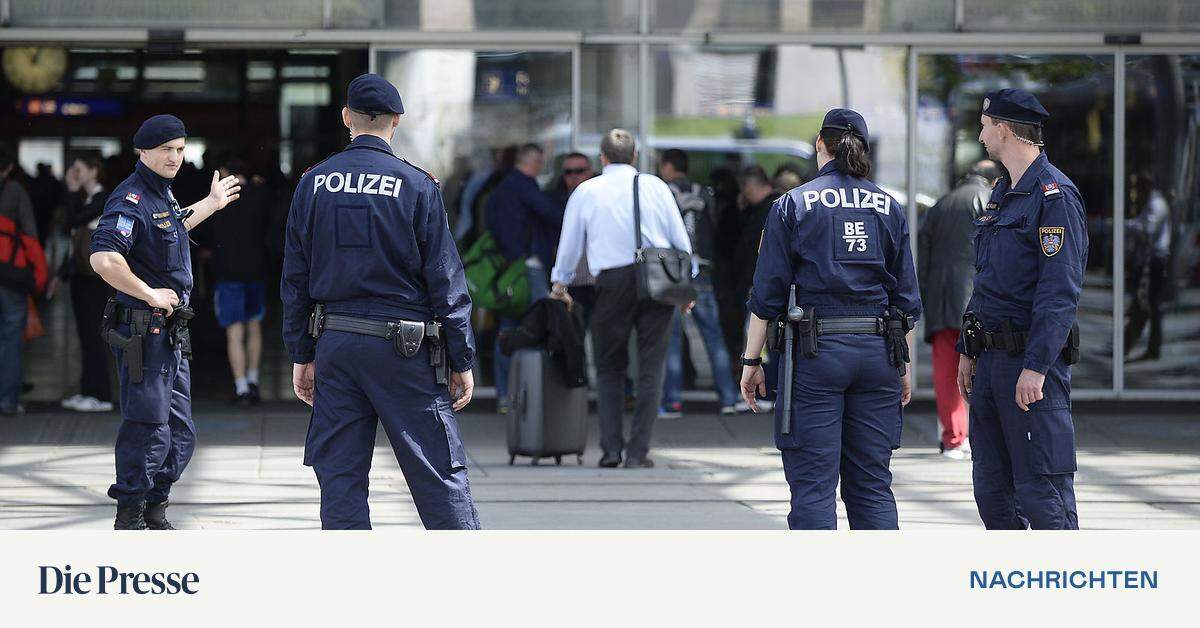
column 664, row 275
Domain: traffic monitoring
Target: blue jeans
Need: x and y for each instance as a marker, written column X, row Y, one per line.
column 705, row 316
column 14, row 308
column 539, row 288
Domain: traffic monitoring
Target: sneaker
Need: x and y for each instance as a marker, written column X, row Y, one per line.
column 240, row 399
column 255, row 394
column 962, row 452
column 72, row 401
column 732, row 409
column 92, row 404
column 502, row 406
column 671, row 411
column 15, row 409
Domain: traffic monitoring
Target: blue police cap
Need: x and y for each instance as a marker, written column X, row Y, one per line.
column 848, row 120
column 158, row 130
column 1014, row 105
column 371, row 93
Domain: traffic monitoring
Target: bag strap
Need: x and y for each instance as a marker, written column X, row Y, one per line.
column 637, row 222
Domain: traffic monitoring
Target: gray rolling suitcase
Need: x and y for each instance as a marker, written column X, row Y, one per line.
column 546, row 418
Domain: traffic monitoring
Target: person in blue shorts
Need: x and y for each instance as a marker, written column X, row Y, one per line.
column 239, row 266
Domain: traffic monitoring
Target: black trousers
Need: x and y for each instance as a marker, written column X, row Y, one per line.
column 88, row 295
column 619, row 312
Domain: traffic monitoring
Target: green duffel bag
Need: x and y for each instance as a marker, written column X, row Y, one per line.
column 493, row 282
column 512, row 290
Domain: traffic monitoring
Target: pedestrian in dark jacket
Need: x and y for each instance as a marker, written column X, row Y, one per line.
column 525, row 223
column 946, row 272
column 83, row 203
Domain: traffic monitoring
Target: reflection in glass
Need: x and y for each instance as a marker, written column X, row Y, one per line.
column 1162, row 276
column 485, row 101
column 734, row 106
column 609, row 89
column 1077, row 91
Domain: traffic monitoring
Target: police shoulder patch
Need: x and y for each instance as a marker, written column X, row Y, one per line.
column 125, row 226
column 1050, row 189
column 133, row 198
column 1051, row 239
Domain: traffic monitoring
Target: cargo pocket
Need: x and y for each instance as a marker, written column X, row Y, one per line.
column 457, row 455
column 1052, row 441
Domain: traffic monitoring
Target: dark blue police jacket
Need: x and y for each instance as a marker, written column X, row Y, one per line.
column 367, row 235
column 524, row 220
column 140, row 223
column 843, row 242
column 1031, row 248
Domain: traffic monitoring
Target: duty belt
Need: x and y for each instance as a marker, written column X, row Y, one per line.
column 143, row 322
column 406, row 336
column 1011, row 341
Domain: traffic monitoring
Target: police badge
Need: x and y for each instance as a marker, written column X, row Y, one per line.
column 1051, row 239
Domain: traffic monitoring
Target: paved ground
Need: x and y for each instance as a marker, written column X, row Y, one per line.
column 1139, row 468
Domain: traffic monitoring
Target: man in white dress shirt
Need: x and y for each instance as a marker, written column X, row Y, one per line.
column 600, row 213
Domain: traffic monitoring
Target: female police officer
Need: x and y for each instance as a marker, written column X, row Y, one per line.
column 835, row 266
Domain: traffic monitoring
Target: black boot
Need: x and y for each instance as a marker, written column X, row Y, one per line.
column 156, row 516
column 130, row 517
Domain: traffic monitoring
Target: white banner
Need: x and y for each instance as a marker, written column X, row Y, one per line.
column 596, row 578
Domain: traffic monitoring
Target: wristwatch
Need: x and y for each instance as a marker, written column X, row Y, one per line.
column 751, row 362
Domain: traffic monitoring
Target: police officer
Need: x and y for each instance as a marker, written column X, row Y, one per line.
column 375, row 312
column 140, row 247
column 1019, row 335
column 835, row 270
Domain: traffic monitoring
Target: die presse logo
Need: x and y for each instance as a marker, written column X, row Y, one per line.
column 108, row 580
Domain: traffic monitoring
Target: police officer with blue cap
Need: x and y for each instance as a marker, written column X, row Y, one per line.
column 1019, row 335
column 377, row 321
column 140, row 247
column 836, row 284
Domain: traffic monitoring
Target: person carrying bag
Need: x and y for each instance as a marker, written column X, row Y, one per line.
column 663, row 274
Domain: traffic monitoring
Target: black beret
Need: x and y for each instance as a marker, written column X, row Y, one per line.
column 158, row 130
column 848, row 120
column 1014, row 105
column 371, row 93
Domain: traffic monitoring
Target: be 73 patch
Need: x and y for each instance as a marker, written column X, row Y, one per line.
column 1051, row 239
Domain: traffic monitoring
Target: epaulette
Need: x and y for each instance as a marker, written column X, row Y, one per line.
column 425, row 172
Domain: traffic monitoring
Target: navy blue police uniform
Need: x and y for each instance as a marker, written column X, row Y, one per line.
column 1031, row 248
column 143, row 222
column 368, row 242
column 843, row 244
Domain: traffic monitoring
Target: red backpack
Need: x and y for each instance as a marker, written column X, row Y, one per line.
column 22, row 261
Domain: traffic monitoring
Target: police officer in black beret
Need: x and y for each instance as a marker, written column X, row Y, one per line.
column 1019, row 336
column 140, row 247
column 377, row 321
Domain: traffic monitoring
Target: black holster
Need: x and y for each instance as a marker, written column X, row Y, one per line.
column 1070, row 352
column 972, row 335
column 131, row 345
column 806, row 334
column 896, row 325
column 180, row 334
column 437, row 353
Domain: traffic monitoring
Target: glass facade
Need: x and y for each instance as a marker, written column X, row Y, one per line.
column 733, row 82
column 1161, row 297
column 1078, row 91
